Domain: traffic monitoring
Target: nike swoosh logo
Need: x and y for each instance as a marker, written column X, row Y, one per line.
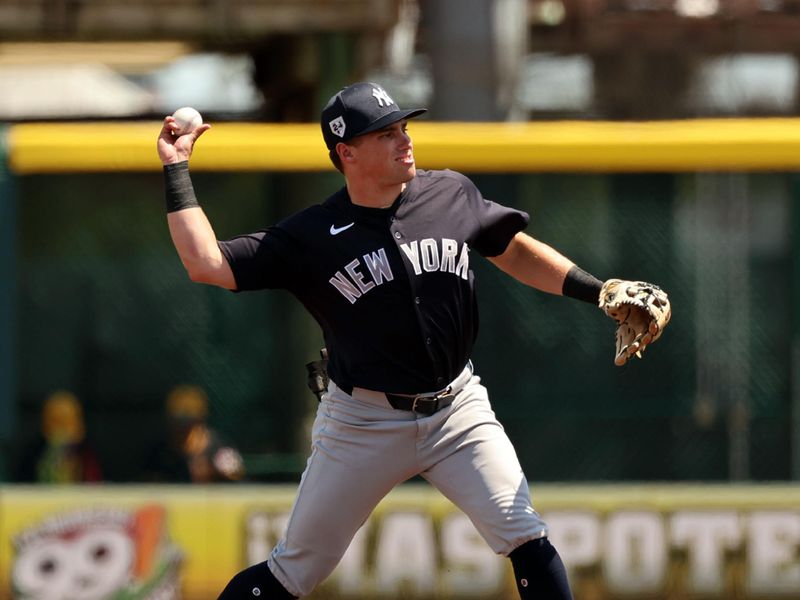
column 337, row 230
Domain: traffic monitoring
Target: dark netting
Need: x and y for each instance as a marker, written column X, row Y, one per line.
column 106, row 311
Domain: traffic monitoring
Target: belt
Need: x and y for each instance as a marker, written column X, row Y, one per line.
column 425, row 404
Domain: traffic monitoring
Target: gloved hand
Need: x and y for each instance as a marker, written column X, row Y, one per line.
column 641, row 311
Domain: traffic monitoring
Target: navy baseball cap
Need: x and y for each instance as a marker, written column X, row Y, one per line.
column 358, row 109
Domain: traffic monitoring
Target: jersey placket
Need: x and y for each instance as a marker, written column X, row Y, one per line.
column 397, row 230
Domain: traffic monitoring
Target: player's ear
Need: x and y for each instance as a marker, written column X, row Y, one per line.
column 345, row 152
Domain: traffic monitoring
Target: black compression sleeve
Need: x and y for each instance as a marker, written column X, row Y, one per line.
column 178, row 185
column 579, row 284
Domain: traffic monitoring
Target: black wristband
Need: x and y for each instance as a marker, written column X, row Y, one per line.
column 178, row 186
column 582, row 286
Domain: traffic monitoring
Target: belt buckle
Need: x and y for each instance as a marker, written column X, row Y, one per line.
column 426, row 411
column 434, row 398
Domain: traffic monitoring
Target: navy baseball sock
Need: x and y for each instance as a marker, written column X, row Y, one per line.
column 255, row 583
column 539, row 572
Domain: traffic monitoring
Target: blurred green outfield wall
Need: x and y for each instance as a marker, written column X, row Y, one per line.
column 104, row 309
column 8, row 298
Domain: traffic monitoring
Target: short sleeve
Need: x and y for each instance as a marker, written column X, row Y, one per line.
column 261, row 260
column 497, row 224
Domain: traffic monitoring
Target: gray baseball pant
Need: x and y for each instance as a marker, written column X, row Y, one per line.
column 362, row 448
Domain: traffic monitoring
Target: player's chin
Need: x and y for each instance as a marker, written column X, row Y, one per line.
column 409, row 169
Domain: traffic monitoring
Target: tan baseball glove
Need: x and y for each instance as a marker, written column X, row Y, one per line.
column 641, row 311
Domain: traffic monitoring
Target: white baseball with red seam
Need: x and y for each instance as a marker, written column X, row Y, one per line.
column 187, row 120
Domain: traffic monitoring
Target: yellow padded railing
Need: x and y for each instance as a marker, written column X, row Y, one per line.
column 562, row 146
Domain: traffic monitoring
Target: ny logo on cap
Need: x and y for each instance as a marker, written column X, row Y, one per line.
column 384, row 99
column 338, row 126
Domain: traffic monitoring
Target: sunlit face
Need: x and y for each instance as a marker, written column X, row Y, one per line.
column 387, row 155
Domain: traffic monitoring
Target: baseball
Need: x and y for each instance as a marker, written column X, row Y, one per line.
column 187, row 119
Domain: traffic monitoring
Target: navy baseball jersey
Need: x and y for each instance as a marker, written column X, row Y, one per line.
column 391, row 288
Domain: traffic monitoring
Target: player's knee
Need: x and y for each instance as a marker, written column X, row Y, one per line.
column 255, row 583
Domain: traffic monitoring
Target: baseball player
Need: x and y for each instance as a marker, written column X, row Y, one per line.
column 383, row 265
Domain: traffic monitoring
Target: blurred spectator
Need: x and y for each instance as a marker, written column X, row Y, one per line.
column 61, row 454
column 192, row 452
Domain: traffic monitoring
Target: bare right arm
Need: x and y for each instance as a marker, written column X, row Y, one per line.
column 197, row 247
column 192, row 234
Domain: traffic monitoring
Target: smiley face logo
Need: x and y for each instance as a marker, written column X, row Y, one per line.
column 96, row 555
column 86, row 566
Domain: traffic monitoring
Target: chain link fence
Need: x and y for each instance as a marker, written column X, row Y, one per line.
column 107, row 312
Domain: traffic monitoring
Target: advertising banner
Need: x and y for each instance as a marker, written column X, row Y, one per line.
column 165, row 543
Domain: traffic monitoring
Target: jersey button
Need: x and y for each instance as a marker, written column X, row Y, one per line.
column 417, row 300
column 428, row 341
column 398, row 235
column 440, row 380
